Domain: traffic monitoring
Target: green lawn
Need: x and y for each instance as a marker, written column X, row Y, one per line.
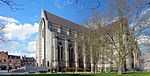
column 91, row 74
column 115, row 74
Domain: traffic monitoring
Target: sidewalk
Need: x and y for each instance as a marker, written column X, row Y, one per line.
column 6, row 73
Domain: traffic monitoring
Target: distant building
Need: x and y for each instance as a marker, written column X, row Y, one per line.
column 9, row 61
column 28, row 61
column 146, row 62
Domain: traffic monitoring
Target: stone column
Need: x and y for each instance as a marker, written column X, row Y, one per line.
column 76, row 55
column 66, row 53
column 52, row 51
column 55, row 52
column 91, row 51
column 129, row 61
column 84, row 57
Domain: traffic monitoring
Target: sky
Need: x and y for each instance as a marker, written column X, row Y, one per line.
column 22, row 25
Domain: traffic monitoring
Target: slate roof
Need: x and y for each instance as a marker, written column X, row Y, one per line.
column 13, row 57
column 29, row 59
column 63, row 22
column 73, row 26
column 114, row 26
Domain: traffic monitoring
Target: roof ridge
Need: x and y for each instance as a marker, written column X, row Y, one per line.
column 63, row 22
column 62, row 18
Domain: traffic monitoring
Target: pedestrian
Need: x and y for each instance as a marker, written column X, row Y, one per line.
column 93, row 70
column 8, row 70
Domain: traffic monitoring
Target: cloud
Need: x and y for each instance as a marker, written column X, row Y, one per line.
column 32, row 55
column 70, row 1
column 9, row 46
column 6, row 20
column 145, row 12
column 31, row 47
column 21, row 31
column 146, row 19
column 59, row 3
column 143, row 40
column 34, row 18
column 18, row 33
column 13, row 48
column 62, row 3
column 15, row 30
column 16, row 53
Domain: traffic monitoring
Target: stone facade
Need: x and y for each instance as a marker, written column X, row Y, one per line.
column 57, row 49
column 145, row 64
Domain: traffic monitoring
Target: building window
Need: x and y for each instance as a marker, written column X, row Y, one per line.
column 4, row 60
column 18, row 61
column 3, row 57
column 59, row 29
column 9, row 60
column 75, row 34
column 10, row 64
column 68, row 32
column 60, row 51
column 15, row 61
column 10, row 57
column 0, row 60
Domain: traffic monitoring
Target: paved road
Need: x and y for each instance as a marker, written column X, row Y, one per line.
column 15, row 71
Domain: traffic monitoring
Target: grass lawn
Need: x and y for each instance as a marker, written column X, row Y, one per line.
column 115, row 74
column 91, row 74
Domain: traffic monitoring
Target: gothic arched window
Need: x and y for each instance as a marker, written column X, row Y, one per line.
column 60, row 51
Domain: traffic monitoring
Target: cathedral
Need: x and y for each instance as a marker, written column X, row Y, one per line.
column 56, row 48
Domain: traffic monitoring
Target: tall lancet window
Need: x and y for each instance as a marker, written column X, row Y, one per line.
column 43, row 30
column 60, row 51
column 71, row 56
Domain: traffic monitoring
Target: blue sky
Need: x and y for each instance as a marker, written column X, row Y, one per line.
column 67, row 9
column 23, row 24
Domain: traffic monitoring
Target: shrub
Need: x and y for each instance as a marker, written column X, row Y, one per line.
column 52, row 69
column 86, row 69
column 31, row 72
column 43, row 71
column 114, row 71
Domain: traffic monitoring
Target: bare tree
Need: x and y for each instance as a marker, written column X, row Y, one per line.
column 120, row 39
column 11, row 4
column 2, row 32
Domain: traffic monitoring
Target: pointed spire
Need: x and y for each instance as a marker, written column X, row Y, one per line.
column 42, row 9
column 43, row 14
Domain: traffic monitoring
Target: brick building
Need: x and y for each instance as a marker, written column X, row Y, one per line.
column 9, row 61
column 28, row 61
